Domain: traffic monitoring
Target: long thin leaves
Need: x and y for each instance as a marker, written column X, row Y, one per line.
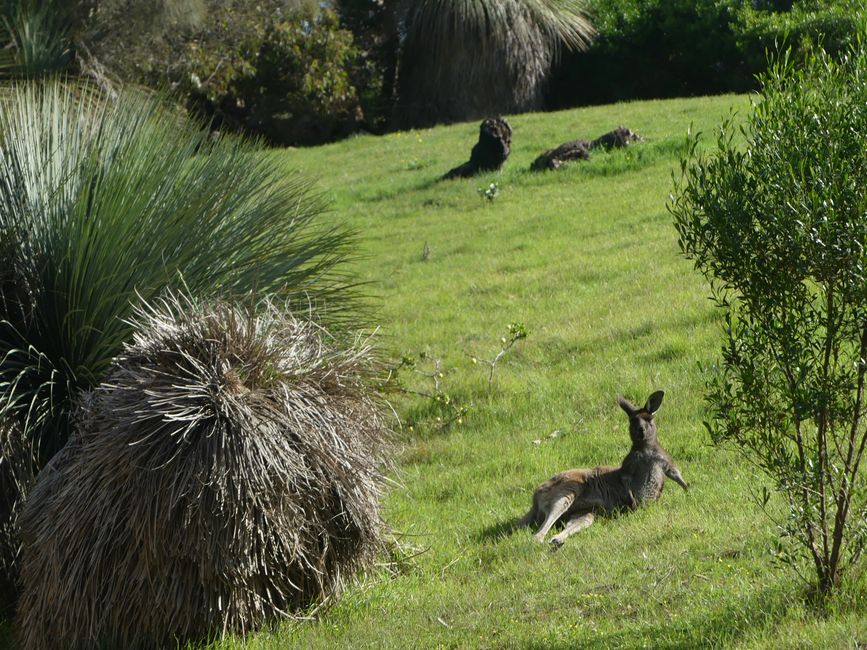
column 465, row 58
column 104, row 203
column 34, row 37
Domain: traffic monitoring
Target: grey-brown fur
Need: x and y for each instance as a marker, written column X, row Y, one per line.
column 581, row 494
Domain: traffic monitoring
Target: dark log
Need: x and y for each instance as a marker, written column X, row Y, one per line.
column 489, row 153
column 580, row 149
column 553, row 158
column 619, row 137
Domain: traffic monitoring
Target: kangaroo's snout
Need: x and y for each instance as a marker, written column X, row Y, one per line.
column 642, row 427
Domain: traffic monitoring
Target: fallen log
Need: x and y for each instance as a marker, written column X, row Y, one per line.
column 580, row 149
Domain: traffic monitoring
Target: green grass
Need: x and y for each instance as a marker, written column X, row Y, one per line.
column 587, row 259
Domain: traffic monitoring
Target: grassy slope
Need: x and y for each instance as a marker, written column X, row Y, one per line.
column 587, row 258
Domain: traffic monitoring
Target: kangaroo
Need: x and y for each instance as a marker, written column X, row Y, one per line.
column 581, row 494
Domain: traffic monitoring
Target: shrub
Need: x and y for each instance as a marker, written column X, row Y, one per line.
column 104, row 203
column 779, row 228
column 301, row 91
column 833, row 25
column 282, row 69
column 653, row 48
column 225, row 475
column 673, row 48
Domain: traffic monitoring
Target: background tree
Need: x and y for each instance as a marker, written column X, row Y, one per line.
column 285, row 69
column 375, row 26
column 466, row 59
column 676, row 48
column 779, row 228
column 302, row 90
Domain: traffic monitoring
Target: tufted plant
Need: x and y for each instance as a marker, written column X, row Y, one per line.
column 108, row 201
column 226, row 474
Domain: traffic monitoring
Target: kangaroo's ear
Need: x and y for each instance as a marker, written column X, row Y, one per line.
column 626, row 405
column 654, row 402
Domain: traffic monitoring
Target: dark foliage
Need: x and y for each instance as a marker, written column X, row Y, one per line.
column 653, row 48
column 675, row 48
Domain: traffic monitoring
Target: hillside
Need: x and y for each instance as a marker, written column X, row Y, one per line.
column 587, row 259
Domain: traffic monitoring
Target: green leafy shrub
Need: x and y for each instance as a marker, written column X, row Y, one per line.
column 301, row 90
column 779, row 228
column 661, row 48
column 833, row 25
column 653, row 48
column 281, row 69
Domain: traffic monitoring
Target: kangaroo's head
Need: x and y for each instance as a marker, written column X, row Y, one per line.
column 642, row 428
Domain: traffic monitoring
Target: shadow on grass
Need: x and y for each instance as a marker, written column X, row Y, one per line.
column 506, row 527
column 500, row 530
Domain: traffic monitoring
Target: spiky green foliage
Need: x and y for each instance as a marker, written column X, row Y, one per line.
column 463, row 59
column 34, row 37
column 225, row 474
column 104, row 203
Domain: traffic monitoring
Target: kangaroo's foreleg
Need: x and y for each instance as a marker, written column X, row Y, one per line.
column 674, row 474
column 558, row 507
column 575, row 524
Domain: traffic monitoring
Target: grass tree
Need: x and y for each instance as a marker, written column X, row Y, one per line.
column 104, row 203
column 34, row 37
column 779, row 227
column 108, row 202
column 462, row 59
column 233, row 451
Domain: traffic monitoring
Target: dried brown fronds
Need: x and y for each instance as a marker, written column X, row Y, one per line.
column 226, row 474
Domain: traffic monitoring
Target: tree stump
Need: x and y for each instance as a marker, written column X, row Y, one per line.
column 489, row 153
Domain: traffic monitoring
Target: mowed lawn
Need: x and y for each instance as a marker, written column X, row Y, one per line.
column 587, row 259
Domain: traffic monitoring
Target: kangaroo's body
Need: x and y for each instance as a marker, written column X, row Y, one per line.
column 581, row 494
